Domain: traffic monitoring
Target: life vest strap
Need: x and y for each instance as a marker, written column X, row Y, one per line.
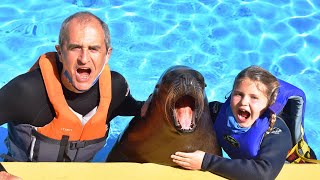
column 8, row 158
column 66, row 150
column 82, row 144
column 301, row 153
column 63, row 148
column 44, row 138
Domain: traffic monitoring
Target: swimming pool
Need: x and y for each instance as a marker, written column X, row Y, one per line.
column 218, row 38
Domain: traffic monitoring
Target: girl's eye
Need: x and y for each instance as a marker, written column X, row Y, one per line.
column 236, row 94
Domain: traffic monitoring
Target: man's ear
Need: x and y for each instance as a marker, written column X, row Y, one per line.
column 58, row 49
column 108, row 55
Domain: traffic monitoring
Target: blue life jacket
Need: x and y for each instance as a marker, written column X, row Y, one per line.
column 290, row 102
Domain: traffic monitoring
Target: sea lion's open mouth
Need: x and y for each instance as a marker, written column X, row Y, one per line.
column 184, row 114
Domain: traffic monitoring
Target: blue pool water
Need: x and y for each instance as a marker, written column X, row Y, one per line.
column 217, row 37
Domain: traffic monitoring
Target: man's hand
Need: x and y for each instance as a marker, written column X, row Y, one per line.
column 191, row 161
column 6, row 176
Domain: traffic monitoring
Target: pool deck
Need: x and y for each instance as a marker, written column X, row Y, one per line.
column 67, row 171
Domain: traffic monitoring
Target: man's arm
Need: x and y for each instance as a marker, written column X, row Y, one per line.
column 23, row 98
column 122, row 103
column 2, row 168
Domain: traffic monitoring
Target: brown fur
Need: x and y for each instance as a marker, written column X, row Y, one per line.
column 154, row 138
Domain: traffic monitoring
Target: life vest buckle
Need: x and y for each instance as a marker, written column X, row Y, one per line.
column 77, row 145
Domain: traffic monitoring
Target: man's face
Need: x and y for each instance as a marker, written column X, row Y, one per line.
column 83, row 54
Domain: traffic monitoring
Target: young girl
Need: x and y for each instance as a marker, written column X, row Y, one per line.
column 256, row 140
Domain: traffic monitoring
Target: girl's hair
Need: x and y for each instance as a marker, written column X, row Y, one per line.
column 260, row 75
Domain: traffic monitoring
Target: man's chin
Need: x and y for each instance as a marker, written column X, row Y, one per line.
column 83, row 88
column 80, row 87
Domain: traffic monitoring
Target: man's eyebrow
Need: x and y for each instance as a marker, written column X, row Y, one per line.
column 73, row 45
column 70, row 46
column 95, row 47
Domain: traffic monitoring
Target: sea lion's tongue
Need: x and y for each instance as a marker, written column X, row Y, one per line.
column 184, row 116
column 184, row 110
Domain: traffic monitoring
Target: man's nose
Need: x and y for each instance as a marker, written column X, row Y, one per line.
column 84, row 56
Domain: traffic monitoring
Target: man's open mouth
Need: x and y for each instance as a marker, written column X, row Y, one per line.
column 83, row 74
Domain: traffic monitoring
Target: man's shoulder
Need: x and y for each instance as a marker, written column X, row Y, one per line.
column 115, row 74
column 118, row 79
column 29, row 78
column 27, row 85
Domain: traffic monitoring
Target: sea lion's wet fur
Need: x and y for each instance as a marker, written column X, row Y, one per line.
column 155, row 137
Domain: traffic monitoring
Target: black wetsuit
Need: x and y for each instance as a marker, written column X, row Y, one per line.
column 269, row 162
column 2, row 168
column 24, row 100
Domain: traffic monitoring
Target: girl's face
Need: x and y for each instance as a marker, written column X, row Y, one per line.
column 248, row 101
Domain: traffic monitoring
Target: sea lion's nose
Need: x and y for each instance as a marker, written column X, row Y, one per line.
column 186, row 83
column 186, row 78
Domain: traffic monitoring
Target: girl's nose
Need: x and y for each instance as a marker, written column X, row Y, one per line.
column 245, row 100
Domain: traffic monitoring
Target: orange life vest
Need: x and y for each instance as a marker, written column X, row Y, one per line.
column 66, row 122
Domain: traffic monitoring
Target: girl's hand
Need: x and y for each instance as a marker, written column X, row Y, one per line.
column 191, row 161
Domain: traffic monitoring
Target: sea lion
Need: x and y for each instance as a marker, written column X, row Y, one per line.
column 178, row 119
